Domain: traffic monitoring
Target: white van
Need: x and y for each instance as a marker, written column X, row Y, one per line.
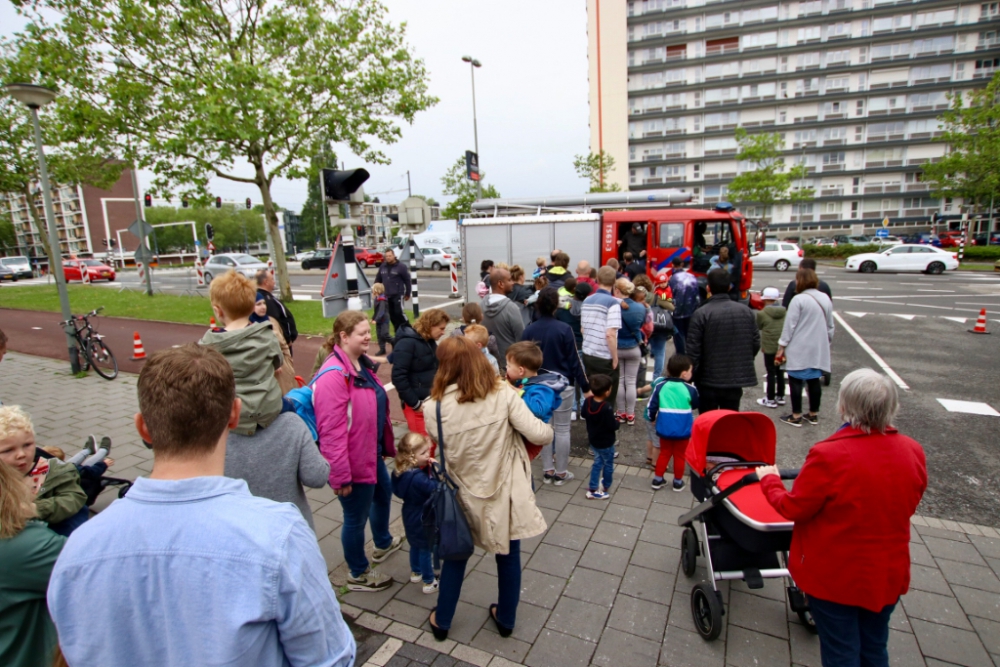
column 20, row 265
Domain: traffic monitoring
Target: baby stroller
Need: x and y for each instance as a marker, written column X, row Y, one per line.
column 734, row 527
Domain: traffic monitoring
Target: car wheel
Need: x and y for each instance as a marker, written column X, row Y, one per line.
column 935, row 268
column 305, row 266
column 363, row 264
column 436, row 266
column 782, row 264
column 867, row 267
column 208, row 277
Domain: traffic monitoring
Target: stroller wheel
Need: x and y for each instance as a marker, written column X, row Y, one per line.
column 689, row 552
column 807, row 620
column 706, row 608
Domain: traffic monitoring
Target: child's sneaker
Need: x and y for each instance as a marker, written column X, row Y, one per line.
column 379, row 555
column 792, row 421
column 597, row 495
column 620, row 417
column 812, row 419
column 416, row 577
column 547, row 476
column 678, row 485
column 369, row 581
column 559, row 480
column 780, row 400
column 658, row 483
column 767, row 403
column 630, row 420
column 431, row 588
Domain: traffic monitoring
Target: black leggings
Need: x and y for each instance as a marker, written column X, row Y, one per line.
column 815, row 388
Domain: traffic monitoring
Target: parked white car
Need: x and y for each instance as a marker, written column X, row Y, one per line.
column 778, row 254
column 886, row 241
column 248, row 265
column 906, row 257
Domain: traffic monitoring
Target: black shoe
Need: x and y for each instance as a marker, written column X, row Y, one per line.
column 791, row 420
column 658, row 483
column 812, row 419
column 381, row 352
column 504, row 632
column 440, row 634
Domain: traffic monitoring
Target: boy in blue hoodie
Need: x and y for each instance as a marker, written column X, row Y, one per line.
column 671, row 406
column 540, row 392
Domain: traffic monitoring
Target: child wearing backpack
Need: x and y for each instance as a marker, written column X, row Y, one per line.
column 412, row 483
column 671, row 407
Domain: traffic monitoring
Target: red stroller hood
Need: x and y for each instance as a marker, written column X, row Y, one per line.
column 749, row 436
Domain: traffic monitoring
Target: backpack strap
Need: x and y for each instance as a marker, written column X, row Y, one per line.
column 323, row 372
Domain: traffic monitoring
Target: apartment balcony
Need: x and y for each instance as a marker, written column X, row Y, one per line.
column 803, row 144
column 723, row 151
column 918, row 187
column 653, row 157
column 883, row 164
column 985, row 45
column 826, row 217
column 652, row 181
column 882, row 188
column 832, row 167
column 984, row 73
column 886, row 136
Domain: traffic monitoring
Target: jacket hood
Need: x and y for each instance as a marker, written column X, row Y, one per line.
column 249, row 343
column 553, row 381
column 575, row 307
column 494, row 308
column 775, row 312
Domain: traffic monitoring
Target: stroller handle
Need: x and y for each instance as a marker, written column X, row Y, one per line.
column 716, row 499
column 786, row 473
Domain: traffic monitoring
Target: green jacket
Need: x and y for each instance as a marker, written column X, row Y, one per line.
column 770, row 321
column 27, row 635
column 254, row 354
column 61, row 495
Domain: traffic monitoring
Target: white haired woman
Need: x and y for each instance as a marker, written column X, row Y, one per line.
column 852, row 503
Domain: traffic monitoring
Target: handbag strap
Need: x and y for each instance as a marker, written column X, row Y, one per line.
column 440, row 437
column 818, row 303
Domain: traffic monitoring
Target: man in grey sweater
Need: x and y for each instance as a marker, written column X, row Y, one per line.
column 501, row 316
column 276, row 461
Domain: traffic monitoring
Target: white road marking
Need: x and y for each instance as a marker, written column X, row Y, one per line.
column 37, row 328
column 968, row 407
column 856, row 314
column 874, row 355
column 908, row 318
column 960, row 320
column 949, row 291
column 851, row 282
column 873, row 289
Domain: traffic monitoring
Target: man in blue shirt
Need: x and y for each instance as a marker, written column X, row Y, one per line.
column 205, row 573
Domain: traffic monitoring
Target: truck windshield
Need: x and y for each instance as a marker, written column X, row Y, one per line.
column 671, row 234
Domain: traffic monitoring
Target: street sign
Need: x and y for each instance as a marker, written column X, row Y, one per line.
column 882, row 233
column 141, row 228
column 143, row 254
column 472, row 165
column 885, row 222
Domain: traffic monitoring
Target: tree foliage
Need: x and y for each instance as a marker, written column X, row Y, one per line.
column 203, row 86
column 596, row 168
column 228, row 223
column 769, row 182
column 463, row 190
column 971, row 168
column 430, row 200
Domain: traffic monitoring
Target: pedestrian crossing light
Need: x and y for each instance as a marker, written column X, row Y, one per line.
column 249, row 204
column 218, row 202
column 209, row 231
column 184, row 203
column 149, row 200
column 339, row 185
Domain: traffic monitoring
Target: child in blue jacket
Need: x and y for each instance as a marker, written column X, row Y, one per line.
column 541, row 392
column 671, row 406
column 411, row 482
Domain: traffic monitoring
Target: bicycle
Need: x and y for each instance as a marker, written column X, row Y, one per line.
column 92, row 350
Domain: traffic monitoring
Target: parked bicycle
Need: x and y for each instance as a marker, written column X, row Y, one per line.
column 92, row 350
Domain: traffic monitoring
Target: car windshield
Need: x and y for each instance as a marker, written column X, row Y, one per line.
column 92, row 262
column 246, row 259
column 13, row 261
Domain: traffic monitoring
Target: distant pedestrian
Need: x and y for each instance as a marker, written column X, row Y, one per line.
column 412, row 483
column 614, row 264
column 600, row 320
column 722, row 342
column 770, row 321
column 602, row 427
column 634, row 241
column 395, row 277
column 501, row 316
column 520, row 293
column 381, row 317
column 805, row 344
column 583, row 271
column 791, row 289
column 276, row 310
column 414, row 363
column 630, row 337
column 684, row 290
column 671, row 408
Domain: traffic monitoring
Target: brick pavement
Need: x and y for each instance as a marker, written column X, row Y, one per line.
column 600, row 587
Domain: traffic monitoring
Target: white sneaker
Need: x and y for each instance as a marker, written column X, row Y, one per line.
column 379, row 555
column 431, row 588
column 559, row 480
column 572, row 416
column 416, row 577
column 766, row 403
column 370, row 581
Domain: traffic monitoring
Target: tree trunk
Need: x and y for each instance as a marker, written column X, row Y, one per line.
column 39, row 222
column 271, row 217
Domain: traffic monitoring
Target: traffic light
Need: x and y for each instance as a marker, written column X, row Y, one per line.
column 218, row 202
column 104, row 242
column 209, row 231
column 112, row 243
column 149, row 200
column 184, row 203
column 249, row 204
column 340, row 185
column 361, row 230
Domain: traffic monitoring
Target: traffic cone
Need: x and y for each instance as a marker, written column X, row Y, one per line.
column 138, row 353
column 980, row 327
column 211, row 322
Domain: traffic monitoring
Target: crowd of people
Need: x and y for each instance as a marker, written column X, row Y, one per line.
column 217, row 567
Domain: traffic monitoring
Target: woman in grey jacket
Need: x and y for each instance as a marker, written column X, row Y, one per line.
column 805, row 344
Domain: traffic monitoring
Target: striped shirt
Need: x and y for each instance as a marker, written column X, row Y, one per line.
column 600, row 312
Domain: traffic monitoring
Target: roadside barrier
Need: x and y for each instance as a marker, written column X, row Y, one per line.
column 454, row 280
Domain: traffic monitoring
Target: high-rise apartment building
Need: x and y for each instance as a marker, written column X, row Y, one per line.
column 855, row 86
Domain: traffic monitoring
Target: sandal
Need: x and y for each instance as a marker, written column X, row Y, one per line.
column 440, row 634
column 504, row 632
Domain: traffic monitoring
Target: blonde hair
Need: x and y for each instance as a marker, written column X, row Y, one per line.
column 540, row 261
column 14, row 499
column 378, row 288
column 234, row 294
column 502, row 265
column 406, row 450
column 625, row 286
column 516, row 272
column 55, row 451
column 14, row 419
column 477, row 333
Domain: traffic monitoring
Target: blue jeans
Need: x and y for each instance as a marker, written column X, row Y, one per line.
column 604, row 461
column 67, row 526
column 851, row 636
column 508, row 585
column 367, row 502
column 421, row 561
column 658, row 346
column 680, row 333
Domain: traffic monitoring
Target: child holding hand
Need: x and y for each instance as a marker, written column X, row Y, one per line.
column 671, row 408
column 412, row 483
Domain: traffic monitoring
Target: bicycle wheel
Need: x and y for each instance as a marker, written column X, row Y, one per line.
column 102, row 359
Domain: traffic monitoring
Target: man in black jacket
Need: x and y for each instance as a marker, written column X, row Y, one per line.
column 394, row 275
column 807, row 263
column 275, row 309
column 722, row 341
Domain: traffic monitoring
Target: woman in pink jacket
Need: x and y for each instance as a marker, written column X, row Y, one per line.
column 352, row 419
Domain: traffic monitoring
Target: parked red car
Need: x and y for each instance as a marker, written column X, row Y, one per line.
column 951, row 239
column 96, row 270
column 366, row 257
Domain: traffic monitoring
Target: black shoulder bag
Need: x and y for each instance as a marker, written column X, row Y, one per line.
column 444, row 521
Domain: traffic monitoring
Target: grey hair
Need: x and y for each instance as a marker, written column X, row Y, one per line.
column 868, row 400
column 261, row 276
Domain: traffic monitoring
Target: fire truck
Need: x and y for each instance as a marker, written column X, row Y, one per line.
column 589, row 227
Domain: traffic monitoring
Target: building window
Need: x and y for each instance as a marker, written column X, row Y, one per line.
column 833, row 158
column 809, row 34
column 838, row 30
column 842, row 57
column 887, row 23
column 936, row 18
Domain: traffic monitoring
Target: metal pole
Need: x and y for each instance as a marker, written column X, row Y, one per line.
column 409, row 190
column 475, row 134
column 142, row 239
column 55, row 254
column 413, row 278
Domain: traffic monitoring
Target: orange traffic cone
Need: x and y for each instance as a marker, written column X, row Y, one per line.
column 211, row 322
column 138, row 353
column 980, row 327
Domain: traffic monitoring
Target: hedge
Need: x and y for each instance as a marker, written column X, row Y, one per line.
column 843, row 251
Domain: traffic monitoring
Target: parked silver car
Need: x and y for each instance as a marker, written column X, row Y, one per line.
column 20, row 265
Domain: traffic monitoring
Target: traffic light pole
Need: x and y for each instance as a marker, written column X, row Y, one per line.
column 142, row 240
column 323, row 212
column 413, row 278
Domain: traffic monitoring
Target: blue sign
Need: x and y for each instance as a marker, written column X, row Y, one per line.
column 882, row 233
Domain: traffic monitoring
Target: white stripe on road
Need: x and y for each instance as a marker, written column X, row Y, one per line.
column 456, row 302
column 874, row 355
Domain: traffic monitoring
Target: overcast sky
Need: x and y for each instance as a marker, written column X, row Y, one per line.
column 531, row 98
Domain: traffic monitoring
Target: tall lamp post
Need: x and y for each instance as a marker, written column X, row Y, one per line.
column 34, row 97
column 473, row 64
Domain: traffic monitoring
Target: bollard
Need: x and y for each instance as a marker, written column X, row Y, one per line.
column 84, row 274
column 200, row 271
column 142, row 271
column 454, row 280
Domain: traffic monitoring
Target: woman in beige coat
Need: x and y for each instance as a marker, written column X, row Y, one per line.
column 485, row 424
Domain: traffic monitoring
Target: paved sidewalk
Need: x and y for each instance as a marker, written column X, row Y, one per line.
column 600, row 587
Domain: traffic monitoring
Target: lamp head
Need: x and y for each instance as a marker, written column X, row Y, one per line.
column 476, row 63
column 30, row 95
column 466, row 59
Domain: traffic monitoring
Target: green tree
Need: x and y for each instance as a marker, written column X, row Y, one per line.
column 430, row 200
column 228, row 222
column 769, row 182
column 971, row 167
column 596, row 168
column 314, row 210
column 463, row 190
column 8, row 237
column 203, row 86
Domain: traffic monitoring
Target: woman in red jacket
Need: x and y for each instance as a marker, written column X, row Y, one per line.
column 851, row 505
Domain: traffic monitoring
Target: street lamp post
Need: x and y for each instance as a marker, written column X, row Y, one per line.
column 35, row 97
column 473, row 64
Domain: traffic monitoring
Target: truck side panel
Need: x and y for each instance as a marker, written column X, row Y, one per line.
column 482, row 242
column 527, row 243
column 579, row 240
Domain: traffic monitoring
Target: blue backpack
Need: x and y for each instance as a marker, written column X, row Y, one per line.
column 302, row 399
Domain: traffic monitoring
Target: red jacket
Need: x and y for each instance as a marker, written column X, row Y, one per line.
column 851, row 505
